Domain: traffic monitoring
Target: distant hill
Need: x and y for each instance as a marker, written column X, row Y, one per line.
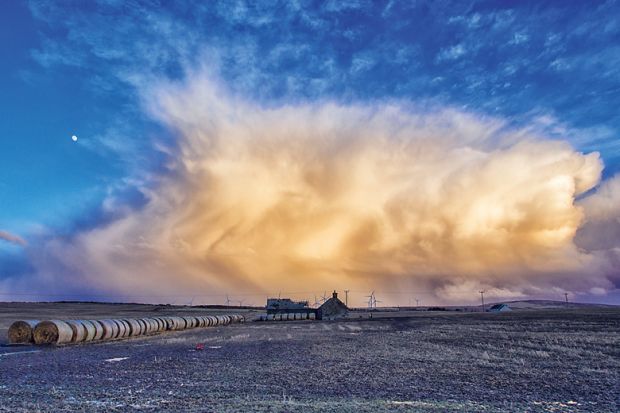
column 542, row 304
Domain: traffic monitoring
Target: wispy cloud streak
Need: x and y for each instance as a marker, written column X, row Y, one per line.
column 12, row 238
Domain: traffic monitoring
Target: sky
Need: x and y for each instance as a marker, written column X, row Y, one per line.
column 424, row 150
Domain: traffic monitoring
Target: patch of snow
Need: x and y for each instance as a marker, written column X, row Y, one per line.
column 113, row 360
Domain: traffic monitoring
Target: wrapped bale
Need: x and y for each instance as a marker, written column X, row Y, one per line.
column 197, row 322
column 270, row 317
column 79, row 331
column 203, row 321
column 53, row 332
column 311, row 316
column 22, row 331
column 212, row 321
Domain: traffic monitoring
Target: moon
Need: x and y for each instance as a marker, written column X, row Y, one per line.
column 74, row 138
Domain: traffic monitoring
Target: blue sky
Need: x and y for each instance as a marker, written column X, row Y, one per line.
column 77, row 67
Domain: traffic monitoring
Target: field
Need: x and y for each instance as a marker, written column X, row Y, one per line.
column 546, row 360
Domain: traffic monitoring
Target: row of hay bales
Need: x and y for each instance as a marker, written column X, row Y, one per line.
column 288, row 316
column 81, row 331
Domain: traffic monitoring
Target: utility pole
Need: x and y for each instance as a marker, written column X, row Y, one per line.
column 482, row 298
column 346, row 297
column 566, row 297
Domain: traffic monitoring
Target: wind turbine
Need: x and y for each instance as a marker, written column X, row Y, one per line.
column 316, row 301
column 371, row 300
column 228, row 301
column 324, row 297
column 240, row 302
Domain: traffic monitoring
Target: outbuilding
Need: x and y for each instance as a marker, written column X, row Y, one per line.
column 499, row 308
column 332, row 309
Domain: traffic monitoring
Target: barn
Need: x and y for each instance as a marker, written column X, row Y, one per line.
column 499, row 308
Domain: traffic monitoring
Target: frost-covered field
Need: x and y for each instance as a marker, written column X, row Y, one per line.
column 545, row 360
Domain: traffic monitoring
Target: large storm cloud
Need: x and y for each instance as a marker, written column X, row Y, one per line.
column 321, row 195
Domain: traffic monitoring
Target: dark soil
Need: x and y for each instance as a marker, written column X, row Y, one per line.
column 549, row 360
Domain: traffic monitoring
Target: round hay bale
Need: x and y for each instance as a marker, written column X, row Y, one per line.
column 211, row 321
column 179, row 323
column 91, row 330
column 170, row 323
column 134, row 327
column 21, row 331
column 163, row 324
column 157, row 325
column 53, row 332
column 127, row 328
column 189, row 322
column 121, row 328
column 196, row 322
column 110, row 329
column 145, row 325
column 142, row 326
column 79, row 331
column 99, row 330
column 201, row 321
column 154, row 325
column 149, row 325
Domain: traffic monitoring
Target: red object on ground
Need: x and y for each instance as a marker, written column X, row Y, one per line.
column 200, row 346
